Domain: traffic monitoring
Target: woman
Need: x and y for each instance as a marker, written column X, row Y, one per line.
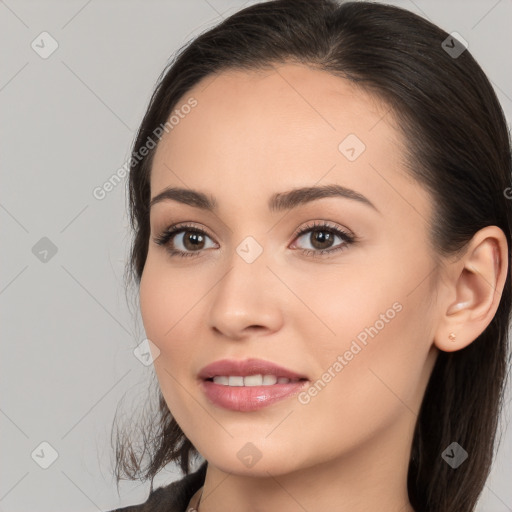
column 318, row 193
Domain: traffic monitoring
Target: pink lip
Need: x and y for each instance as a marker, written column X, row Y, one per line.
column 250, row 398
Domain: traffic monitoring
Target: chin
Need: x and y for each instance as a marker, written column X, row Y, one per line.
column 257, row 458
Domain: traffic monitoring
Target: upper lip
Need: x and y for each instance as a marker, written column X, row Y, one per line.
column 246, row 367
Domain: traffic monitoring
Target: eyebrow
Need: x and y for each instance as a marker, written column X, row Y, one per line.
column 277, row 202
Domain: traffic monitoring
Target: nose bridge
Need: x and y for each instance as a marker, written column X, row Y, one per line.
column 247, row 273
column 244, row 296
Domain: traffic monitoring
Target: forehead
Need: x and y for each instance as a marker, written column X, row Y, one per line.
column 279, row 128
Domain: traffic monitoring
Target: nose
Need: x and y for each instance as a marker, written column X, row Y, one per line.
column 246, row 302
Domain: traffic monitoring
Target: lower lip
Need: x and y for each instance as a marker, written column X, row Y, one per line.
column 249, row 398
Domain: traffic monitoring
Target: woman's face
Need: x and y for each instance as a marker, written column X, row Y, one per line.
column 357, row 322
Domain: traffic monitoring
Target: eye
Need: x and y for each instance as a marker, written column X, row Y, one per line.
column 321, row 237
column 186, row 240
column 181, row 238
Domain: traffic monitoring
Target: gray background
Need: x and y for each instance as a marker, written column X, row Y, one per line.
column 68, row 334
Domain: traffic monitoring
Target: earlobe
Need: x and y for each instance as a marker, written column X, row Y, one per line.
column 477, row 281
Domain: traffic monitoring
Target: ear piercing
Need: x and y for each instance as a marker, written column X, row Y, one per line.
column 456, row 307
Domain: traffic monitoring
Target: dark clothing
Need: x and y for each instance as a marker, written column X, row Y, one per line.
column 173, row 497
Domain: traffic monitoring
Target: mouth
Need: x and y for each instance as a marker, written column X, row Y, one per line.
column 249, row 385
column 258, row 370
column 252, row 380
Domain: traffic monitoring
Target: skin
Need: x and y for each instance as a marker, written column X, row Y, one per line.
column 253, row 134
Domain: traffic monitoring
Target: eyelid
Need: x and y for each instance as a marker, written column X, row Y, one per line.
column 183, row 226
column 320, row 223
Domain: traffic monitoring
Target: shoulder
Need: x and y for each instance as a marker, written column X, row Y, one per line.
column 173, row 497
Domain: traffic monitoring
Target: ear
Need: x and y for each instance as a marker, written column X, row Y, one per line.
column 475, row 286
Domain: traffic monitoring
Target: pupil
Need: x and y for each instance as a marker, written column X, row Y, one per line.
column 194, row 238
column 323, row 237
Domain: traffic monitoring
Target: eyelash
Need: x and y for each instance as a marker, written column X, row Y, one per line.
column 347, row 238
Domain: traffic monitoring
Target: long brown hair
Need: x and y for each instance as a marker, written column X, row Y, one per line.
column 458, row 148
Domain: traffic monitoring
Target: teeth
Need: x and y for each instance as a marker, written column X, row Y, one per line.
column 269, row 380
column 251, row 380
column 221, row 380
column 236, row 381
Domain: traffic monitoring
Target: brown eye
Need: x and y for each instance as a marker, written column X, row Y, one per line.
column 183, row 240
column 320, row 239
column 193, row 240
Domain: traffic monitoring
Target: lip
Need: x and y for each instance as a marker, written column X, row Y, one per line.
column 248, row 398
column 247, row 367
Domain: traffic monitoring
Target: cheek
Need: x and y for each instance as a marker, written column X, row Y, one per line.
column 379, row 297
column 377, row 319
column 363, row 388
column 345, row 303
column 172, row 305
column 166, row 296
column 166, row 306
